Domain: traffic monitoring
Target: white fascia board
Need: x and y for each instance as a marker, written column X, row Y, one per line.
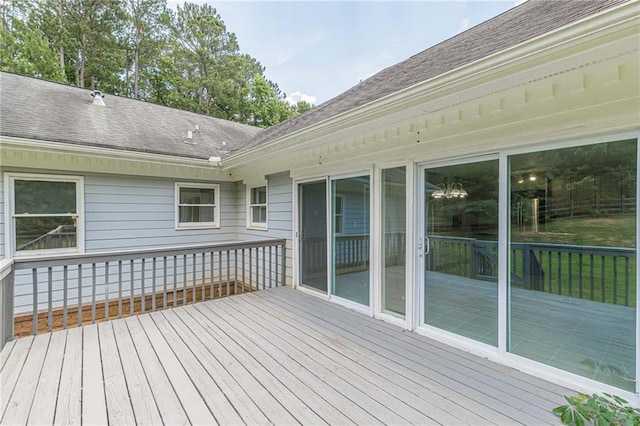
column 18, row 144
column 611, row 21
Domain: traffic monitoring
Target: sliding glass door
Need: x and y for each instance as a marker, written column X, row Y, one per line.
column 312, row 234
column 461, row 249
column 350, row 238
column 572, row 246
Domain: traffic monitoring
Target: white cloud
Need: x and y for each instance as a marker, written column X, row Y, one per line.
column 464, row 24
column 296, row 97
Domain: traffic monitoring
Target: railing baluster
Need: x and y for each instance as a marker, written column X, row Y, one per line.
column 50, row 300
column 80, row 310
column 580, row 264
column 264, row 277
column 143, row 301
column 615, row 280
column 153, row 284
column 164, row 282
column 213, row 274
column 570, row 284
column 228, row 274
column 204, row 294
column 131, row 288
column 184, row 279
column 235, row 272
column 119, row 288
column 284, row 263
column 592, row 289
column 243, row 277
column 106, row 290
column 65, row 287
column 251, row 269
column 93, row 293
column 35, row 301
column 626, row 281
column 194, row 297
column 559, row 273
column 175, row 281
column 602, row 268
column 270, row 266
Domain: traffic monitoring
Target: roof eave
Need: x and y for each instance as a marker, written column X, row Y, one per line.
column 626, row 14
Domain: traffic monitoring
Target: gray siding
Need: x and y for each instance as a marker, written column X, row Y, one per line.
column 2, row 218
column 279, row 215
column 127, row 213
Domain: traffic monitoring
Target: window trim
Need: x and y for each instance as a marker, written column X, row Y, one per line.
column 260, row 226
column 179, row 226
column 9, row 213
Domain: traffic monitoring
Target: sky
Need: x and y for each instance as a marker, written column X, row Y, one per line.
column 315, row 50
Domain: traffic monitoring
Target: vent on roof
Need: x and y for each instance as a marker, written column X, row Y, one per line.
column 97, row 98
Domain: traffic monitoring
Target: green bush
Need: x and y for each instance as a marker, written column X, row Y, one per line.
column 605, row 409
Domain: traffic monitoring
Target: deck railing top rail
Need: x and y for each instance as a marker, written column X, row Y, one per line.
column 27, row 262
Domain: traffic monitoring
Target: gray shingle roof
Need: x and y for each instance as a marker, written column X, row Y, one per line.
column 517, row 25
column 41, row 110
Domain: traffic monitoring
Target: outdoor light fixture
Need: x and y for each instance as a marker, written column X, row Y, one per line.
column 452, row 190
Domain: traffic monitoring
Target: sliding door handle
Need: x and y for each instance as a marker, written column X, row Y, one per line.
column 427, row 245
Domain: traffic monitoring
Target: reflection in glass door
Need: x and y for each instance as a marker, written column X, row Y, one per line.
column 350, row 238
column 394, row 237
column 572, row 246
column 312, row 234
column 461, row 249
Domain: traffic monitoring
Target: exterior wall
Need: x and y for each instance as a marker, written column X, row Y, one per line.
column 129, row 213
column 279, row 215
column 117, row 219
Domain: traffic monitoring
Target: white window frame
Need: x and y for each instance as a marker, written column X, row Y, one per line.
column 9, row 213
column 216, row 204
column 262, row 226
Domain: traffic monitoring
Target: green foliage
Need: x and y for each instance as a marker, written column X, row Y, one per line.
column 605, row 409
column 140, row 48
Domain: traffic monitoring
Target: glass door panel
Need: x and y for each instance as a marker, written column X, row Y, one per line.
column 461, row 249
column 350, row 238
column 394, row 237
column 313, row 235
column 573, row 260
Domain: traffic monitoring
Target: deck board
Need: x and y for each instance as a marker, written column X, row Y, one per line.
column 215, row 399
column 11, row 371
column 19, row 404
column 195, row 337
column 142, row 400
column 120, row 409
column 69, row 403
column 167, row 402
column 331, row 354
column 276, row 356
column 468, row 379
column 43, row 410
column 94, row 405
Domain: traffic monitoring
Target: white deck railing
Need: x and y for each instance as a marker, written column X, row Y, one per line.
column 68, row 290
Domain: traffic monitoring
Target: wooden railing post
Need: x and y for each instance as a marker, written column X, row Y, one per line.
column 7, row 280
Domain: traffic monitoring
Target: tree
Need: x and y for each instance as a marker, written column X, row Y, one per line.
column 24, row 48
column 212, row 76
column 146, row 30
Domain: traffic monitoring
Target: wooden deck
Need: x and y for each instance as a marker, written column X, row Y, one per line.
column 275, row 356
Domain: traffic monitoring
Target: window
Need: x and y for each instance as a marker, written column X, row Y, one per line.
column 45, row 214
column 197, row 205
column 257, row 207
